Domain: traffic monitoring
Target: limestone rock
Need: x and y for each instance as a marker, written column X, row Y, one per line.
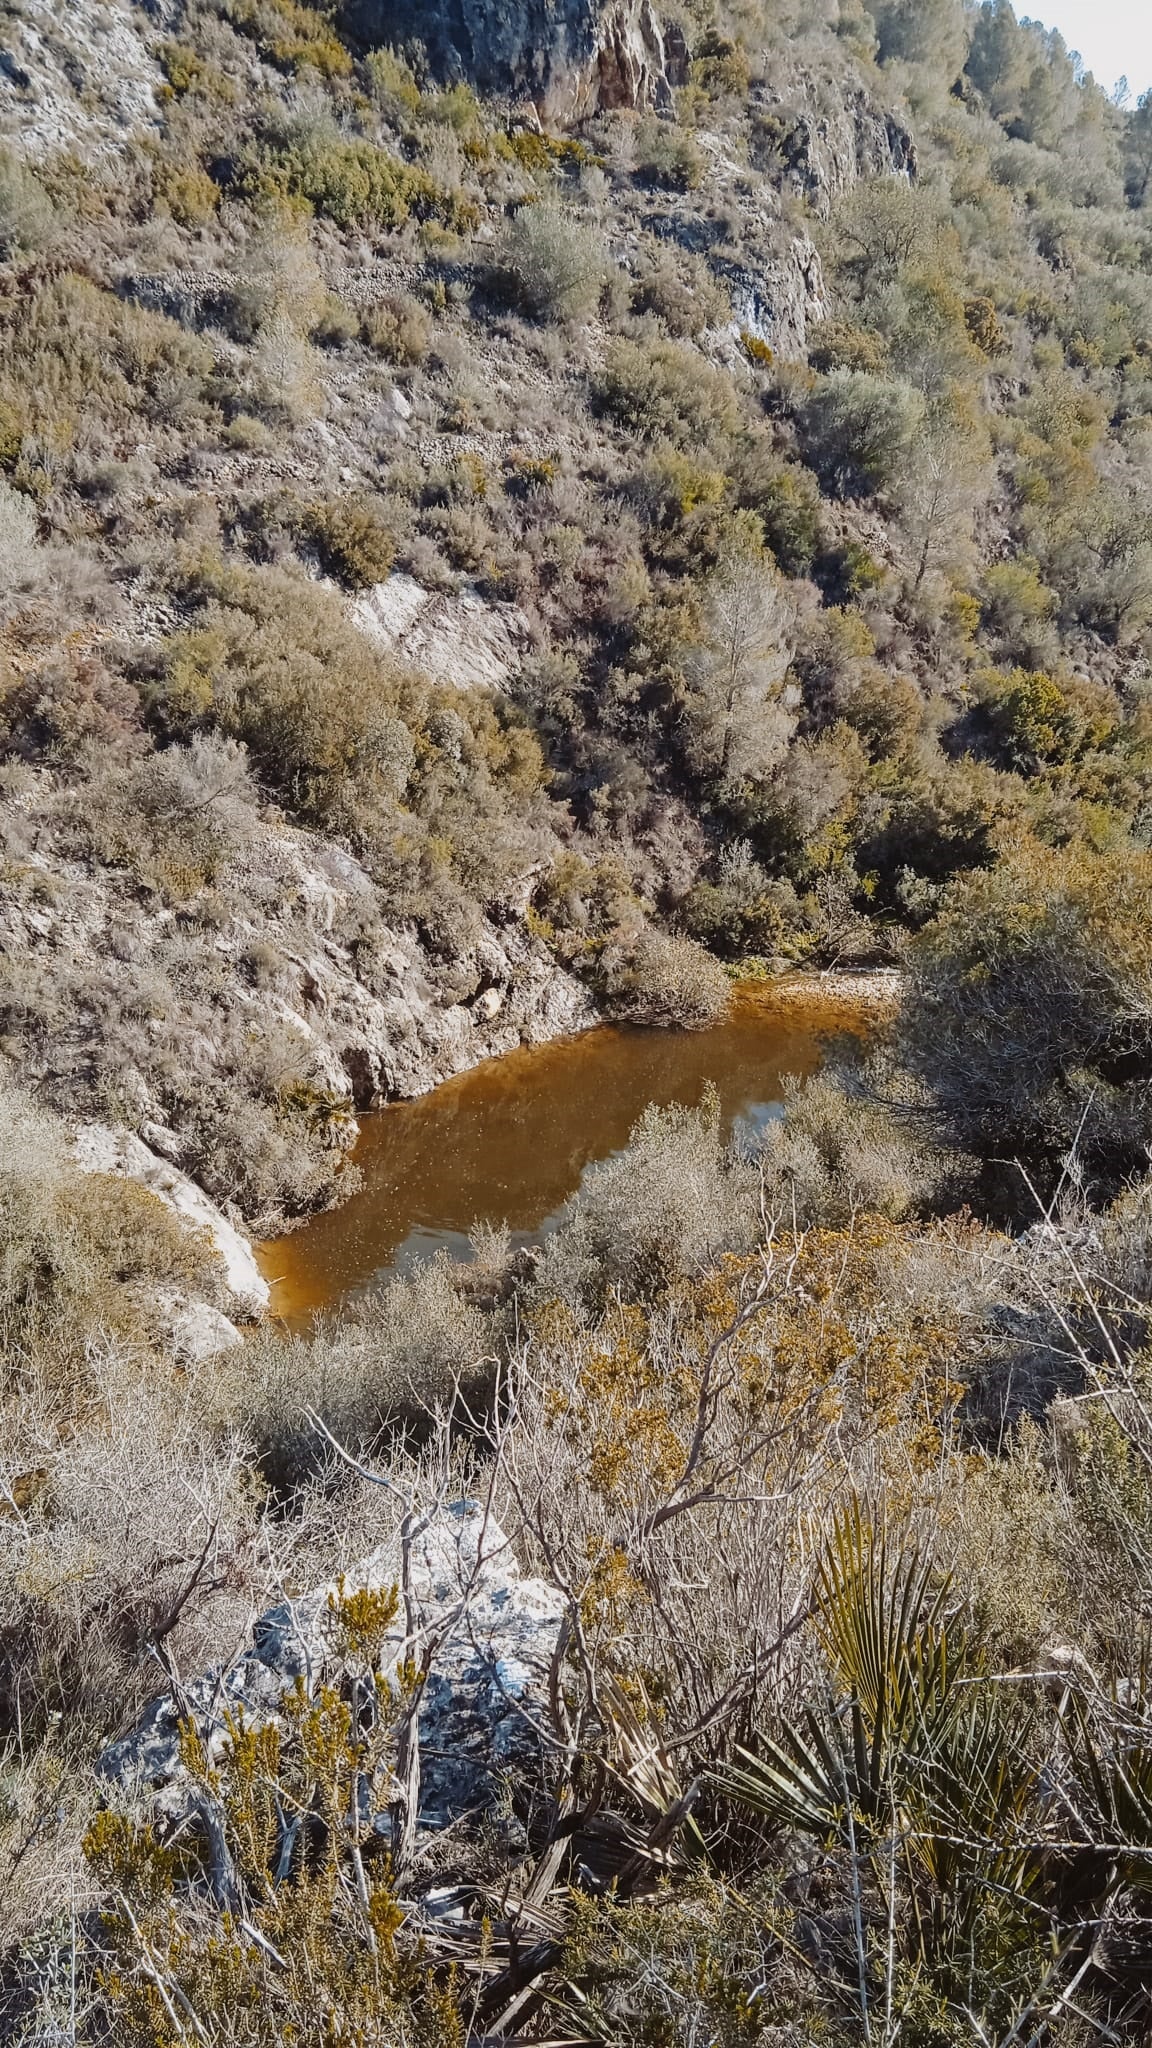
column 565, row 57
column 495, row 1634
column 79, row 78
column 780, row 302
column 455, row 637
column 197, row 1332
column 99, row 1149
column 829, row 141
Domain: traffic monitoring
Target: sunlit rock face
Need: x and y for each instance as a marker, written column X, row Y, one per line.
column 564, row 57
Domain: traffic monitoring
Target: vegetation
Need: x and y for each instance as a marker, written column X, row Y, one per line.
column 765, row 484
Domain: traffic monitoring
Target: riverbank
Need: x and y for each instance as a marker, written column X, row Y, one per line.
column 874, row 989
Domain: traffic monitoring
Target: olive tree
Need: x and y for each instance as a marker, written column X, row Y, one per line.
column 553, row 264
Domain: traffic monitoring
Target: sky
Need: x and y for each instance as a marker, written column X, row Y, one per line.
column 1114, row 37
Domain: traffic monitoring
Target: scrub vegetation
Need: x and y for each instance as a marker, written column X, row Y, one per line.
column 801, row 437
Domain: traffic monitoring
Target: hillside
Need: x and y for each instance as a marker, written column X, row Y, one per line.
column 510, row 516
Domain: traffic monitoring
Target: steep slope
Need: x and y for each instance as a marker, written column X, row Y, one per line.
column 391, row 477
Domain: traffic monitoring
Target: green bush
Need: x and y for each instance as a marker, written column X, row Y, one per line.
column 552, row 265
column 1027, row 1017
column 354, row 183
column 292, row 36
column 665, row 391
column 858, row 431
column 1041, row 720
column 274, row 662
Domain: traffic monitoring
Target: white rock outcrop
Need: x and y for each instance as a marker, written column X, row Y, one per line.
column 79, row 78
column 494, row 1634
column 198, row 1332
column 456, row 637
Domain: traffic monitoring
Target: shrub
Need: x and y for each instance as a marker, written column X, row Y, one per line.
column 687, row 298
column 659, row 1209
column 274, row 662
column 744, row 911
column 353, row 183
column 841, row 1151
column 292, row 36
column 1027, row 1013
column 27, row 217
column 71, row 351
column 84, row 1255
column 552, row 265
column 665, row 391
column 983, row 324
column 838, row 346
column 1039, row 720
column 659, row 979
column 397, row 328
column 668, row 156
column 187, row 191
column 858, row 431
column 1017, row 606
column 351, row 539
column 786, row 501
column 719, row 67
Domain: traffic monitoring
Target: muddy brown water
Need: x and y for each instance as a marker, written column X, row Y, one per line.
column 508, row 1142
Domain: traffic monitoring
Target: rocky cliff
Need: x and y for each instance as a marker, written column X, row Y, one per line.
column 566, row 57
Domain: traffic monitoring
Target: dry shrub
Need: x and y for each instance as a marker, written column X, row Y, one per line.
column 173, row 819
column 83, row 1257
column 661, row 979
column 398, row 329
column 664, row 390
column 840, row 1151
column 383, row 1362
column 352, row 540
column 665, row 1206
column 141, row 1505
column 552, row 265
column 274, row 662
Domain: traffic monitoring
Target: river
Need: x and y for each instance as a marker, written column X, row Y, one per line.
column 508, row 1142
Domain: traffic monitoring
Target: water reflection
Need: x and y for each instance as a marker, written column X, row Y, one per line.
column 509, row 1142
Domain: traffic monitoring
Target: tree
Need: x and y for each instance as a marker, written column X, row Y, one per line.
column 997, row 56
column 921, row 32
column 738, row 724
column 552, row 264
column 880, row 227
column 947, row 476
column 1138, row 152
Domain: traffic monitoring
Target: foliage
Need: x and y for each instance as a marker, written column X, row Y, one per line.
column 283, row 1850
column 665, row 391
column 552, row 265
column 661, row 979
column 859, row 431
column 1027, row 1014
column 351, row 540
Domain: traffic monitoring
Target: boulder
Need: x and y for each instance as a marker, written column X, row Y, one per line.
column 198, row 1331
column 494, row 1635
